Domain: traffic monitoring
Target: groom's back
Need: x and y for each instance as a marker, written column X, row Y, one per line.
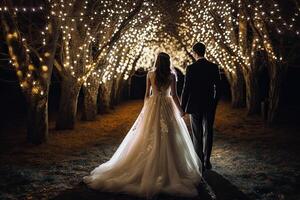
column 205, row 74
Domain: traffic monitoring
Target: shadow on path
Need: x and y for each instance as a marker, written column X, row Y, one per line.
column 214, row 187
column 222, row 188
column 82, row 192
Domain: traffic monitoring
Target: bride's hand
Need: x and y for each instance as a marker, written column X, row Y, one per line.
column 182, row 114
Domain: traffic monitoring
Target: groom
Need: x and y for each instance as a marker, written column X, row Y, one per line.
column 199, row 99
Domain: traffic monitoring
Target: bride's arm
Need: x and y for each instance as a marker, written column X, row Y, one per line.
column 148, row 85
column 175, row 96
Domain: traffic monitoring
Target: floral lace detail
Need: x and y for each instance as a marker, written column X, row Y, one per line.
column 163, row 125
column 159, row 180
column 149, row 147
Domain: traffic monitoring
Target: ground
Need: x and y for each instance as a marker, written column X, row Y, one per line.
column 250, row 160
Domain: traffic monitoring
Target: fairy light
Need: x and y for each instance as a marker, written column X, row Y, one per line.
column 115, row 61
column 97, row 24
column 215, row 22
column 23, row 9
column 31, row 76
column 87, row 27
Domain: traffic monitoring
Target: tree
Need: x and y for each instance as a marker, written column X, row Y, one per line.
column 33, row 59
column 77, row 56
column 235, row 31
column 111, row 65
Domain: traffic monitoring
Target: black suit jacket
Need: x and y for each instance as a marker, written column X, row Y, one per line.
column 201, row 88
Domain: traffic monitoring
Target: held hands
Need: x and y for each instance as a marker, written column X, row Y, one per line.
column 182, row 113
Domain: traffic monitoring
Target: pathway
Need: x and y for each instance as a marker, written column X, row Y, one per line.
column 244, row 160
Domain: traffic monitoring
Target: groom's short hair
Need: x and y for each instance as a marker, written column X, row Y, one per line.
column 199, row 48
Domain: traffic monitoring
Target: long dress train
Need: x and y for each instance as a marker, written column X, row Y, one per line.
column 156, row 156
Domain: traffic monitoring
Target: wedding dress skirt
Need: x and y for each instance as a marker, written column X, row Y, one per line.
column 156, row 156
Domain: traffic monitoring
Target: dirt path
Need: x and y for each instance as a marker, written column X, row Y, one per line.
column 55, row 169
column 248, row 159
column 263, row 162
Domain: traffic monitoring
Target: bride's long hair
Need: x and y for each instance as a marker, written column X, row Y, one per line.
column 162, row 70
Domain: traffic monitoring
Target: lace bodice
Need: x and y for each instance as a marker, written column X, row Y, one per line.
column 165, row 91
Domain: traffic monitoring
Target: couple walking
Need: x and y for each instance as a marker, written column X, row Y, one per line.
column 158, row 155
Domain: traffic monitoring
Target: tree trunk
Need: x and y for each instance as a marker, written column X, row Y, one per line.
column 252, row 93
column 118, row 93
column 237, row 94
column 122, row 91
column 37, row 120
column 103, row 103
column 90, row 109
column 237, row 88
column 129, row 87
column 127, row 90
column 66, row 118
column 277, row 74
column 112, row 100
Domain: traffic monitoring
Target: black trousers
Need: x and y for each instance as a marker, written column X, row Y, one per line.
column 202, row 132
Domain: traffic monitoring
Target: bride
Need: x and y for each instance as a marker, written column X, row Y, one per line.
column 157, row 154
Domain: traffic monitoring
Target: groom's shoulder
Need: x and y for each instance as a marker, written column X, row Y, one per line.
column 192, row 65
column 206, row 61
column 212, row 63
column 191, row 68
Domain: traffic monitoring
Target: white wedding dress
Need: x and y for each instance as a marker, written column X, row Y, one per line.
column 157, row 154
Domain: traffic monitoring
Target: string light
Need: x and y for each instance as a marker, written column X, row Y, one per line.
column 23, row 9
column 32, row 77
column 88, row 55
column 216, row 22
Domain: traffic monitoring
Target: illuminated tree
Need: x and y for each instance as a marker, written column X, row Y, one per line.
column 111, row 67
column 212, row 23
column 235, row 31
column 89, row 30
column 32, row 55
column 96, row 46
